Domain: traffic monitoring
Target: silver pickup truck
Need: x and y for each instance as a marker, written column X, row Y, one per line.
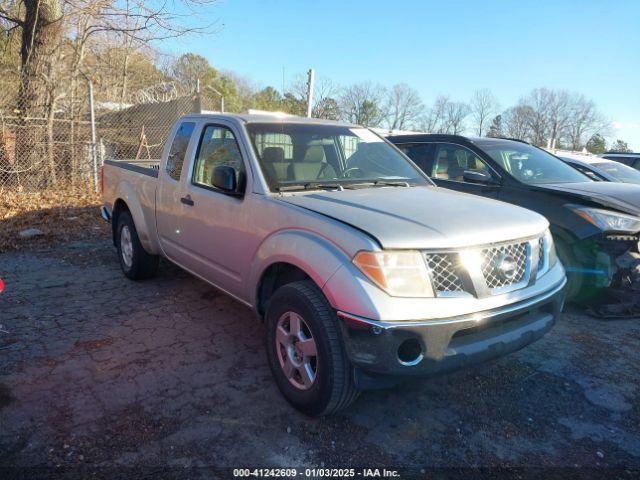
column 362, row 270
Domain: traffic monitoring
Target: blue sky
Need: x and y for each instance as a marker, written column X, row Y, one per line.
column 439, row 47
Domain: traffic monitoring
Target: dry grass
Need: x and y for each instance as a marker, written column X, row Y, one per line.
column 62, row 215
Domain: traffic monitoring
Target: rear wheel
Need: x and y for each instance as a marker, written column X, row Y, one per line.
column 305, row 350
column 135, row 262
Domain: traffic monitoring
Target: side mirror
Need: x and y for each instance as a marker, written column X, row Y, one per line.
column 478, row 176
column 224, row 178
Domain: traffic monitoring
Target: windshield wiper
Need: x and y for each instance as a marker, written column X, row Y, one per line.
column 311, row 186
column 378, row 183
column 392, row 183
column 342, row 186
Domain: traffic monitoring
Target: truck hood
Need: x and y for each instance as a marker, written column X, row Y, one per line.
column 620, row 196
column 423, row 217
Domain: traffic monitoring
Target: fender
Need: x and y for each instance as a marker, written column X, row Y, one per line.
column 564, row 235
column 316, row 256
column 145, row 224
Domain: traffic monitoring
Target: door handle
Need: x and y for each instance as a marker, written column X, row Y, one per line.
column 187, row 200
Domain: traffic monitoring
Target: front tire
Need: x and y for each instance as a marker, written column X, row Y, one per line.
column 135, row 262
column 575, row 279
column 305, row 350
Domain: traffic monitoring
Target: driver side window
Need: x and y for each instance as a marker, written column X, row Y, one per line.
column 452, row 160
column 217, row 147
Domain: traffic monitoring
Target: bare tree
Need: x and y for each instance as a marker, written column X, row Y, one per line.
column 432, row 120
column 325, row 104
column 362, row 103
column 516, row 122
column 559, row 112
column 539, row 101
column 484, row 106
column 54, row 29
column 584, row 121
column 44, row 23
column 455, row 115
column 40, row 22
column 404, row 107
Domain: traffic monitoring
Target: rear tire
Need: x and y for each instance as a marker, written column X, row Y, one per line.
column 135, row 262
column 320, row 384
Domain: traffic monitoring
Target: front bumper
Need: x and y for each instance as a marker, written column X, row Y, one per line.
column 609, row 260
column 437, row 346
column 105, row 213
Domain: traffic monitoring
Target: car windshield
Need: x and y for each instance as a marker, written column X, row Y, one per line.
column 532, row 165
column 621, row 172
column 297, row 156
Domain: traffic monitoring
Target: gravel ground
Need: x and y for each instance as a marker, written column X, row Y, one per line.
column 97, row 372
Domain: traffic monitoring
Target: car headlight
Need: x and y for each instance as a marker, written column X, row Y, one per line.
column 608, row 220
column 550, row 248
column 401, row 273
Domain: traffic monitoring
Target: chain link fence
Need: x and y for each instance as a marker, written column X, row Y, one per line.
column 64, row 146
column 39, row 152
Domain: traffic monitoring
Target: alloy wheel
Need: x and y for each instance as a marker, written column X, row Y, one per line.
column 296, row 350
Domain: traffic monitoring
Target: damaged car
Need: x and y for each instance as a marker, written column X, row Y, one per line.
column 595, row 225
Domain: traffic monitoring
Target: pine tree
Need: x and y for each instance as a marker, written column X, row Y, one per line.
column 620, row 146
column 495, row 130
column 596, row 144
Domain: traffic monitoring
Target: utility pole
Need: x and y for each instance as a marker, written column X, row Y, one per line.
column 311, row 76
column 220, row 95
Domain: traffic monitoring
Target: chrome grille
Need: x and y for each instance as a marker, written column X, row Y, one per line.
column 496, row 259
column 493, row 270
column 443, row 272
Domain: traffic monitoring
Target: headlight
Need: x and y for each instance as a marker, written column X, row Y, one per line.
column 550, row 248
column 608, row 220
column 402, row 273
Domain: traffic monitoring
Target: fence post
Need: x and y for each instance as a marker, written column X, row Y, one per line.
column 94, row 155
column 198, row 105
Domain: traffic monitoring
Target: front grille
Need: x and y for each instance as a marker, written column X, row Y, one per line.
column 504, row 265
column 443, row 272
column 500, row 269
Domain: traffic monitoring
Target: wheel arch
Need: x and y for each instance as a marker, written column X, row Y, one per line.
column 127, row 199
column 289, row 256
column 119, row 206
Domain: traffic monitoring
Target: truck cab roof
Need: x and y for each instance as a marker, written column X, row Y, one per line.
column 266, row 117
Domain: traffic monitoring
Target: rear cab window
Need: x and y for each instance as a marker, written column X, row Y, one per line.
column 175, row 160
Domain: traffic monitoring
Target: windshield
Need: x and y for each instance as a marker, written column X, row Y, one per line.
column 306, row 155
column 532, row 165
column 619, row 171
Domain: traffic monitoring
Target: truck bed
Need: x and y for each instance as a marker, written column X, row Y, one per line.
column 135, row 181
column 145, row 167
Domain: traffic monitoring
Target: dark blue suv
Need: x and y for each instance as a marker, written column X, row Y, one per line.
column 596, row 225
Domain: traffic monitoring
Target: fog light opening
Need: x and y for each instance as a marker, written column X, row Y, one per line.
column 410, row 352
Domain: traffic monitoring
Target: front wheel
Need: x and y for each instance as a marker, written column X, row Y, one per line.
column 305, row 350
column 575, row 279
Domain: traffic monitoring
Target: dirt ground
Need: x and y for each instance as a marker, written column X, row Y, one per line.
column 169, row 375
